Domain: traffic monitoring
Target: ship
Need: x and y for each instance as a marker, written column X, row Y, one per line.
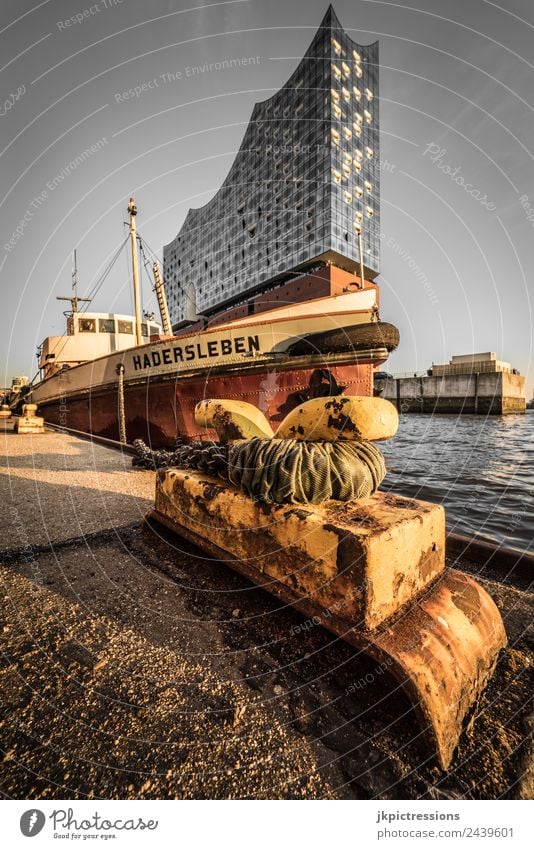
column 268, row 292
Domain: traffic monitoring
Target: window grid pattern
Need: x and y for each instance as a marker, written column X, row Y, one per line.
column 304, row 179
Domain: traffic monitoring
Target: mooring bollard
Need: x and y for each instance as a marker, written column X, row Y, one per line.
column 28, row 422
column 371, row 569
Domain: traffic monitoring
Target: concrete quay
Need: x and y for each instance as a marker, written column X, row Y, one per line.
column 134, row 666
column 496, row 394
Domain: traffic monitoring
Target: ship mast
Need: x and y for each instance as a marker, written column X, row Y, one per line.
column 360, row 251
column 132, row 209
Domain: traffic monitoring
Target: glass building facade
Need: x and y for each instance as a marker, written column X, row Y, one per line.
column 304, row 180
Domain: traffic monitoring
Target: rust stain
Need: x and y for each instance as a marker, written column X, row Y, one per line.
column 468, row 601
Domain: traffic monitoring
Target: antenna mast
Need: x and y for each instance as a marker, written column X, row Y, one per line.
column 132, row 209
column 74, row 299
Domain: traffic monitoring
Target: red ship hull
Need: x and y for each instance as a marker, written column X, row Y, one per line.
column 161, row 411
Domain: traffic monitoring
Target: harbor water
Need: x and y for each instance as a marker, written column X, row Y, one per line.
column 481, row 469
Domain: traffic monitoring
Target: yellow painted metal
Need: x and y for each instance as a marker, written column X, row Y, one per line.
column 232, row 419
column 371, row 571
column 340, row 417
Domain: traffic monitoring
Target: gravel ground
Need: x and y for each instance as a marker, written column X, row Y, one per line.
column 135, row 667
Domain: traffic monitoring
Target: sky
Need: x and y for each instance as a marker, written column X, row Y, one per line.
column 457, row 131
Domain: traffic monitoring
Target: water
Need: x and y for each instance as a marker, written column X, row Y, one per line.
column 480, row 469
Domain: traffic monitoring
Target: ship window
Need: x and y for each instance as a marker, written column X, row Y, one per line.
column 154, row 330
column 144, row 330
column 87, row 325
column 106, row 325
column 125, row 326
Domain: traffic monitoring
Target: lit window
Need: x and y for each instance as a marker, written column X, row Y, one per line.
column 359, row 191
column 346, row 94
column 357, row 56
column 336, row 175
column 368, row 186
column 358, row 117
column 368, row 94
column 346, row 69
column 369, row 210
column 346, row 170
column 358, row 71
column 336, row 110
column 369, row 152
column 357, row 166
column 335, row 135
column 347, row 197
column 368, row 116
column 335, row 94
column 337, row 46
column 359, row 216
column 337, row 72
column 347, row 157
column 347, row 132
column 357, row 227
column 357, row 93
column 358, row 154
column 357, row 129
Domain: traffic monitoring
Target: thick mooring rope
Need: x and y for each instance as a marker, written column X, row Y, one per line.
column 282, row 470
column 300, row 472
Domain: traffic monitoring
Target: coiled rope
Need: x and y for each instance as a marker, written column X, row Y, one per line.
column 283, row 470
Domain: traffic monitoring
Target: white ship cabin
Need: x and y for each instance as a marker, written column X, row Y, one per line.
column 91, row 335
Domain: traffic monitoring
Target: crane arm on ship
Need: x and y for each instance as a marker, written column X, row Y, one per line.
column 162, row 299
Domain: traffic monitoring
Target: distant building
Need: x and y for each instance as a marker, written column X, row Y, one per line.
column 469, row 383
column 305, row 178
column 469, row 363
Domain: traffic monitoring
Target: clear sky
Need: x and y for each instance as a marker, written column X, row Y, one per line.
column 457, row 123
